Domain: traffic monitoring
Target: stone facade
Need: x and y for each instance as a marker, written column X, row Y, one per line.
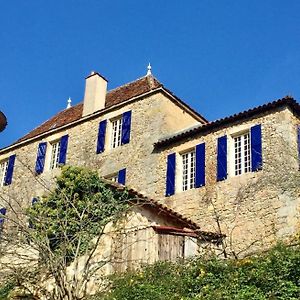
column 253, row 209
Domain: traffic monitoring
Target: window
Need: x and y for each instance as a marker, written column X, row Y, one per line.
column 116, row 132
column 113, row 177
column 242, row 154
column 188, row 170
column 54, row 162
column 3, row 171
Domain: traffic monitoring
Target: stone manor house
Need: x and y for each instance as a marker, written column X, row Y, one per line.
column 233, row 181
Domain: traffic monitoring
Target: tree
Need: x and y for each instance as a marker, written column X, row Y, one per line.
column 55, row 253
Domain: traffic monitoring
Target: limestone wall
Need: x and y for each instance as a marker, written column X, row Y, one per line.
column 253, row 209
column 150, row 122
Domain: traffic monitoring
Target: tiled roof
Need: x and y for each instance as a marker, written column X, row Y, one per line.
column 164, row 210
column 287, row 101
column 113, row 97
column 3, row 121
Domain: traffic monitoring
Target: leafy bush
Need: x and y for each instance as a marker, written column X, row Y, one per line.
column 5, row 290
column 273, row 275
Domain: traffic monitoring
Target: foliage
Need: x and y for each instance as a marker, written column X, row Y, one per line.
column 5, row 289
column 273, row 275
column 66, row 227
column 76, row 211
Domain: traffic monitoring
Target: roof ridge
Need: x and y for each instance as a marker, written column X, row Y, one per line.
column 133, row 81
column 287, row 100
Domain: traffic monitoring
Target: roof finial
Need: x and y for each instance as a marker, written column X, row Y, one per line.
column 69, row 102
column 149, row 68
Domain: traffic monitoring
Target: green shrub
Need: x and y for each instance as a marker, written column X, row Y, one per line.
column 273, row 275
column 5, row 290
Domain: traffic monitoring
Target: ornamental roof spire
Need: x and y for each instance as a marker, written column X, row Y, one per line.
column 69, row 103
column 149, row 68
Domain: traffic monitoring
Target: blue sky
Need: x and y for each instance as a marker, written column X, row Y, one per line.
column 221, row 57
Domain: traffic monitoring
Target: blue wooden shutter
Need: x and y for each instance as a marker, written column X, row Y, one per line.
column 256, row 148
column 170, row 180
column 34, row 200
column 40, row 159
column 222, row 158
column 63, row 149
column 122, row 176
column 200, row 165
column 126, row 125
column 10, row 170
column 101, row 137
column 2, row 214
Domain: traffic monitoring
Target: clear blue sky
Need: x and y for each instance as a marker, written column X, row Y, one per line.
column 221, row 57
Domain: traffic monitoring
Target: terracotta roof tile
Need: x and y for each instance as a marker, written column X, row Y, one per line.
column 286, row 101
column 163, row 209
column 113, row 97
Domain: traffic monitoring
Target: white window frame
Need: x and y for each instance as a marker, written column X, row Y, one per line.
column 241, row 149
column 113, row 177
column 116, row 132
column 54, row 155
column 188, row 169
column 3, row 171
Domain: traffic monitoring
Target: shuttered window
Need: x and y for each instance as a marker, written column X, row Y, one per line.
column 120, row 130
column 59, row 152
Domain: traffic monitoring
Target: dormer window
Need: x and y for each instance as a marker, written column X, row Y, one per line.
column 116, row 132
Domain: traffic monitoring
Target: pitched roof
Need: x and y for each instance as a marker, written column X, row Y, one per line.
column 286, row 101
column 163, row 210
column 113, row 97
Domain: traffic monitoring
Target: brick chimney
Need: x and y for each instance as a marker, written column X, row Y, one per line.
column 95, row 93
